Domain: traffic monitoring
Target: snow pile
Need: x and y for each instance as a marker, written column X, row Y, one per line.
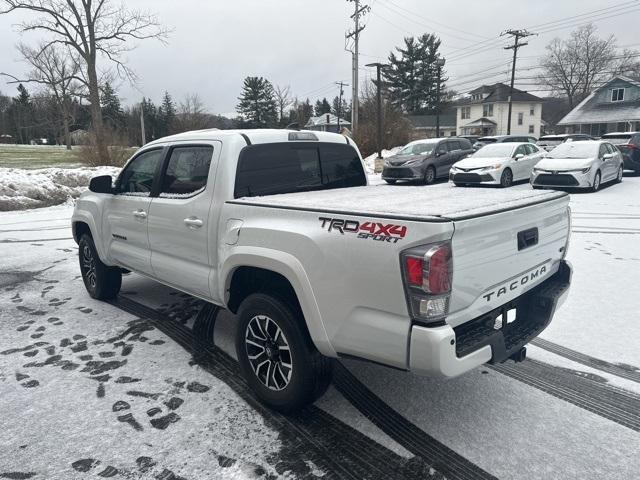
column 370, row 161
column 22, row 189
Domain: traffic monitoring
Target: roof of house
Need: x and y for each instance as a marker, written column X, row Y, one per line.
column 322, row 120
column 481, row 122
column 427, row 121
column 498, row 92
column 592, row 111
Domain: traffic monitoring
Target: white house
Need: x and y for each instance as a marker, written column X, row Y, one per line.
column 327, row 123
column 486, row 110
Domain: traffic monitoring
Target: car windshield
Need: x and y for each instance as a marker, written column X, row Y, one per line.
column 422, row 148
column 618, row 139
column 496, row 150
column 575, row 150
column 551, row 140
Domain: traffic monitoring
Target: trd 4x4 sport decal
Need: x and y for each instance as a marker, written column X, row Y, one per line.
column 381, row 232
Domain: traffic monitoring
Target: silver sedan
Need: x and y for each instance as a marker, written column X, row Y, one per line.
column 582, row 164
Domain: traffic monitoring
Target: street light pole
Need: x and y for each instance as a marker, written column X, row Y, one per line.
column 440, row 64
column 378, row 66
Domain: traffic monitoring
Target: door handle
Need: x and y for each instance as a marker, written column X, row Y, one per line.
column 140, row 214
column 193, row 222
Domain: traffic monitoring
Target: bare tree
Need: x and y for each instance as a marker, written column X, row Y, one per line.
column 95, row 30
column 283, row 100
column 191, row 114
column 575, row 66
column 55, row 69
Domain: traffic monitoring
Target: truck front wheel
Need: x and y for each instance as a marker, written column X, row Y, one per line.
column 101, row 281
column 276, row 355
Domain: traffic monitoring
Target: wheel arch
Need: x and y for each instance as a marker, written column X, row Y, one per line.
column 253, row 269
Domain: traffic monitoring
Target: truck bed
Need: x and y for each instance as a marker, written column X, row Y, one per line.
column 435, row 203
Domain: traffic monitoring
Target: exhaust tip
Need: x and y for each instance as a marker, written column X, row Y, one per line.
column 520, row 355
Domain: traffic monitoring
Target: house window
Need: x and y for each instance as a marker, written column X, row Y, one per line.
column 465, row 113
column 531, row 129
column 617, row 94
column 520, row 118
column 532, row 110
column 487, row 110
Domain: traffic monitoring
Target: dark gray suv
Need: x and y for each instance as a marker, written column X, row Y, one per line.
column 425, row 160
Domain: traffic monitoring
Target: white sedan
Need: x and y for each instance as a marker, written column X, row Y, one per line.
column 583, row 164
column 497, row 164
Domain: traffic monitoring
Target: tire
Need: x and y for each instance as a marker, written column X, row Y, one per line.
column 429, row 175
column 620, row 174
column 390, row 182
column 596, row 182
column 271, row 331
column 101, row 281
column 506, row 179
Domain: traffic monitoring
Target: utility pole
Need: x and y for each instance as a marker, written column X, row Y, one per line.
column 517, row 35
column 342, row 84
column 355, row 35
column 144, row 141
column 439, row 64
column 378, row 66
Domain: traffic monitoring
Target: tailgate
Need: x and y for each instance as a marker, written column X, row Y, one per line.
column 498, row 257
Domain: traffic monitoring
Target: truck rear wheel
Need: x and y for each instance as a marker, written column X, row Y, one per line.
column 276, row 355
column 101, row 281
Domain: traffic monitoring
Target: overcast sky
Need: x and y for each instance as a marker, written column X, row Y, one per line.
column 214, row 44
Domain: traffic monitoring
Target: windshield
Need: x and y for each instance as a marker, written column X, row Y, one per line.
column 422, row 148
column 618, row 139
column 496, row 150
column 575, row 150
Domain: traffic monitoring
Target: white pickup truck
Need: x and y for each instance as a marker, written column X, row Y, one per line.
column 282, row 228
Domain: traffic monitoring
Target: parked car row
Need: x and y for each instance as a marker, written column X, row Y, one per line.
column 574, row 163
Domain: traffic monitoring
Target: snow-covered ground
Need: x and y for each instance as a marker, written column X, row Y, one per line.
column 88, row 391
column 22, row 189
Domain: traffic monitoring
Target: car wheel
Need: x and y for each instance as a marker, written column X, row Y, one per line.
column 429, row 175
column 506, row 180
column 596, row 182
column 390, row 182
column 620, row 174
column 101, row 281
column 277, row 356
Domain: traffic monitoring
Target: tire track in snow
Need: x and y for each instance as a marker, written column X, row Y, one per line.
column 335, row 447
column 580, row 389
column 619, row 370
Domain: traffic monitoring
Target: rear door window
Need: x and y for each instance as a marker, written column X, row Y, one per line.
column 453, row 145
column 187, row 171
column 277, row 168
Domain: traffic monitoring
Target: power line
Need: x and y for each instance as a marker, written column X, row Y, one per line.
column 355, row 35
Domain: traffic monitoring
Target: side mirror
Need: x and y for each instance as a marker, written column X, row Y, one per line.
column 101, row 184
column 607, row 156
column 519, row 156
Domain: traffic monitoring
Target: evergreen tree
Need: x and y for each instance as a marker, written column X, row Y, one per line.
column 342, row 110
column 322, row 107
column 412, row 76
column 166, row 116
column 21, row 113
column 150, row 113
column 257, row 104
column 112, row 112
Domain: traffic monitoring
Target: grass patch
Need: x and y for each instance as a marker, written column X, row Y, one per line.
column 37, row 156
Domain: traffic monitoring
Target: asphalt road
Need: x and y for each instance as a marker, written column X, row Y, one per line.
column 97, row 390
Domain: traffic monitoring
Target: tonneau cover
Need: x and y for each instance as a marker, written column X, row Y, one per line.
column 426, row 203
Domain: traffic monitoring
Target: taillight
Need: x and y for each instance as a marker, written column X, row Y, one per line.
column 427, row 277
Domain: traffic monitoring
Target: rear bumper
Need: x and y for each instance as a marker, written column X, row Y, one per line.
column 447, row 352
column 631, row 162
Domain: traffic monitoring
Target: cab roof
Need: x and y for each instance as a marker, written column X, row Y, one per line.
column 253, row 136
